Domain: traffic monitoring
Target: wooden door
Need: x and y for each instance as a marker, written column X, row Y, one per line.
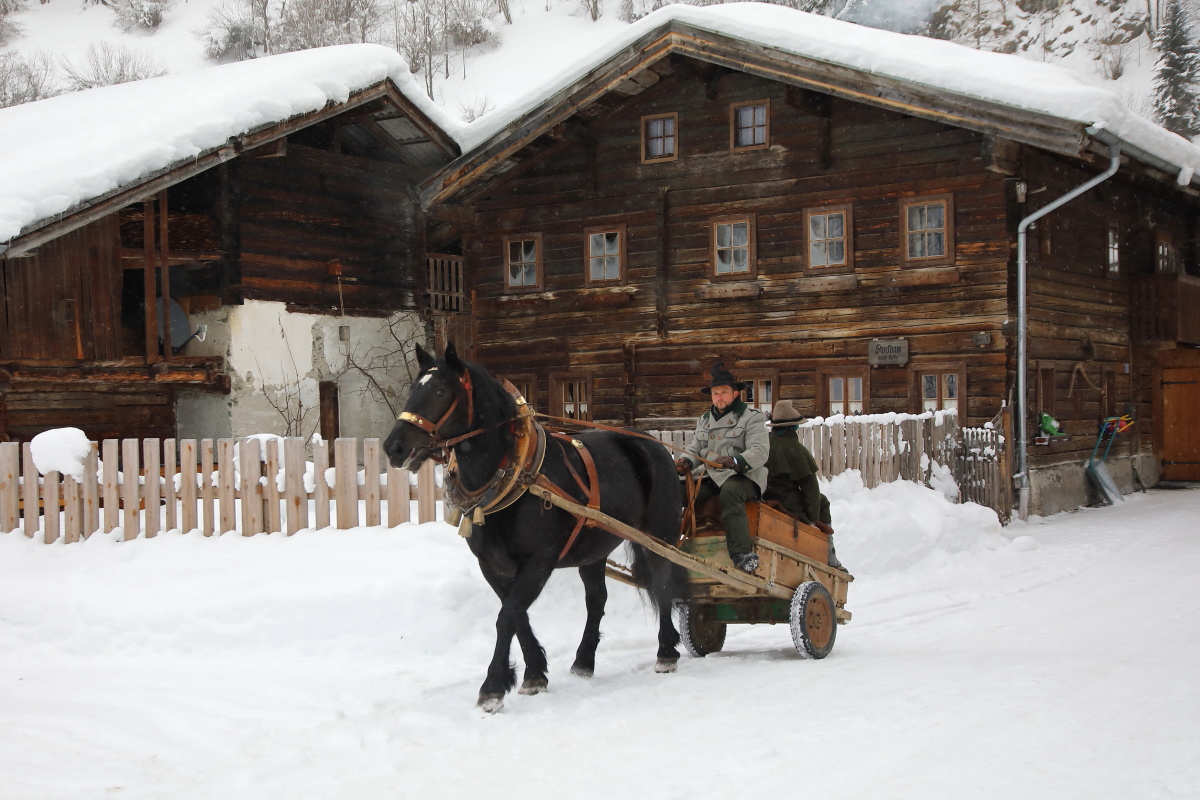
column 1180, row 389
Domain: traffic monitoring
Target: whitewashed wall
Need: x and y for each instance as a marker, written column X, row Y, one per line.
column 278, row 358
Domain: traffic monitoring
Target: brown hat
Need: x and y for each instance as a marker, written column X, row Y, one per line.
column 722, row 377
column 784, row 413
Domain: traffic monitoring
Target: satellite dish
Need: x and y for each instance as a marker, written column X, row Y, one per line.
column 180, row 328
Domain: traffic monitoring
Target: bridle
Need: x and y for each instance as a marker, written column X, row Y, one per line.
column 433, row 429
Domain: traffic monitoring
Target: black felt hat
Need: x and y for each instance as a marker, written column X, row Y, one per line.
column 722, row 377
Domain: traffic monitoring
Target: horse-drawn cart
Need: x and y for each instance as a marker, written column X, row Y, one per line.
column 793, row 584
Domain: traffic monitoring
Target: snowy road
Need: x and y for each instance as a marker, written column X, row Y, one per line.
column 1055, row 659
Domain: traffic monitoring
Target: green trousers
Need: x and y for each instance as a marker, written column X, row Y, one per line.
column 735, row 493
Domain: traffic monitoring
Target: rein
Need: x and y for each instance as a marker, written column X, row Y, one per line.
column 626, row 432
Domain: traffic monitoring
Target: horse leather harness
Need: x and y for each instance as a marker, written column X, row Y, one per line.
column 517, row 471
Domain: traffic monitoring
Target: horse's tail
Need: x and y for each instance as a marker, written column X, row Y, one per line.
column 664, row 580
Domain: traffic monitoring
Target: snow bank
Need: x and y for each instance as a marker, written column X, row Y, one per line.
column 60, row 450
column 902, row 525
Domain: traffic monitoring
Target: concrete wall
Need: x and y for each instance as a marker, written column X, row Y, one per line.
column 276, row 361
column 1065, row 487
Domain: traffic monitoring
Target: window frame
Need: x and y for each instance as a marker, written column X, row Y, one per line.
column 925, row 200
column 530, row 379
column 558, row 380
column 1112, row 250
column 833, row 269
column 751, row 242
column 756, row 377
column 644, row 130
column 1046, row 403
column 733, row 128
column 620, row 230
column 540, row 268
column 941, row 368
column 1163, row 238
column 823, row 377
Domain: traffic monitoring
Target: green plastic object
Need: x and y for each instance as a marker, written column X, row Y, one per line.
column 1049, row 425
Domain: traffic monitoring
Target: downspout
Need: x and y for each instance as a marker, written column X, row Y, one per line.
column 1114, row 152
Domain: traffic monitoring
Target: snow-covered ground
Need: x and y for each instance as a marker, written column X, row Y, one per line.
column 1049, row 659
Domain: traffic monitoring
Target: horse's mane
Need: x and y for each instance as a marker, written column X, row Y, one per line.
column 492, row 403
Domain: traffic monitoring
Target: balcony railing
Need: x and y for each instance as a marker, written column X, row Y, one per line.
column 1166, row 308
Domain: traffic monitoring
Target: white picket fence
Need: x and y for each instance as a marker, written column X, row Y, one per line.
column 243, row 485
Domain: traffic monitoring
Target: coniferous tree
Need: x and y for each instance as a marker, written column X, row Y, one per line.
column 1175, row 98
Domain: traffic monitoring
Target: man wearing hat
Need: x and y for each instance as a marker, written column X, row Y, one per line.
column 733, row 435
column 792, row 478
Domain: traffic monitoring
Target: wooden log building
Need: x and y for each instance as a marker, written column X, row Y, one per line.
column 313, row 211
column 841, row 238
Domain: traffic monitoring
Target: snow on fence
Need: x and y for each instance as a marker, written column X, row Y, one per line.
column 891, row 447
column 212, row 486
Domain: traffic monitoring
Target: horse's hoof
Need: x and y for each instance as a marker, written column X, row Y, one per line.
column 666, row 665
column 582, row 671
column 491, row 703
column 532, row 686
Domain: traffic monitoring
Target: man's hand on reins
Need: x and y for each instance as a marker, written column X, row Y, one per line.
column 726, row 462
column 683, row 466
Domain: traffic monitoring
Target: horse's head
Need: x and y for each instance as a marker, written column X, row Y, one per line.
column 439, row 407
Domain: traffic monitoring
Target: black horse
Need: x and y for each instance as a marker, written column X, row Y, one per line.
column 478, row 427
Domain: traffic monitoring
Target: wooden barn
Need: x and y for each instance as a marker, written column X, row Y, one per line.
column 842, row 237
column 291, row 234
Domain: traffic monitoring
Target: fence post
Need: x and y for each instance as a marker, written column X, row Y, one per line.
column 50, row 509
column 153, row 484
column 251, row 487
column 273, row 521
column 226, row 491
column 91, row 491
column 72, row 509
column 296, row 495
column 321, row 489
column 398, row 496
column 170, row 500
column 111, row 490
column 10, row 486
column 187, row 484
column 131, row 473
column 345, row 462
column 207, row 490
column 30, row 496
column 426, row 500
column 371, row 480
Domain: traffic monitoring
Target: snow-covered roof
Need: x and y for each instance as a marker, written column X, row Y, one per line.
column 58, row 153
column 993, row 81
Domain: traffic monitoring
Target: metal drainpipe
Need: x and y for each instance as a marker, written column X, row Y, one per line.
column 1114, row 152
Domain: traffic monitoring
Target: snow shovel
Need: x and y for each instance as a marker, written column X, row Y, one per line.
column 1106, row 487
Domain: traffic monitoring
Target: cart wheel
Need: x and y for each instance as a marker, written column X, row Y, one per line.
column 813, row 621
column 698, row 631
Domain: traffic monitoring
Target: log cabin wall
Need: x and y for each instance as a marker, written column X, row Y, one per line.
column 305, row 215
column 646, row 344
column 1084, row 363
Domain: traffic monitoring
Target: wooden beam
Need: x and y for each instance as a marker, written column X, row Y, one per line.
column 164, row 265
column 149, row 287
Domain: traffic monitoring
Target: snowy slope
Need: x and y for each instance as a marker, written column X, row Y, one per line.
column 1049, row 659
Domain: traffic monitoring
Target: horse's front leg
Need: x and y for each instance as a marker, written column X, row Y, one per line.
column 595, row 597
column 513, row 619
column 536, row 668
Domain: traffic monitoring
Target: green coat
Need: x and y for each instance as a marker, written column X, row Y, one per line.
column 741, row 434
column 792, row 478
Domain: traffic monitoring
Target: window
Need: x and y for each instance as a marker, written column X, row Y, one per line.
column 605, row 254
column 1045, row 390
column 1114, row 249
column 750, row 124
column 845, row 393
column 827, row 232
column 1164, row 253
column 733, row 247
column 928, row 230
column 659, row 137
column 760, row 392
column 526, row 384
column 941, row 388
column 571, row 396
column 523, row 262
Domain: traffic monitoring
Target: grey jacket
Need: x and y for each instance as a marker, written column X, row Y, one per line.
column 742, row 434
